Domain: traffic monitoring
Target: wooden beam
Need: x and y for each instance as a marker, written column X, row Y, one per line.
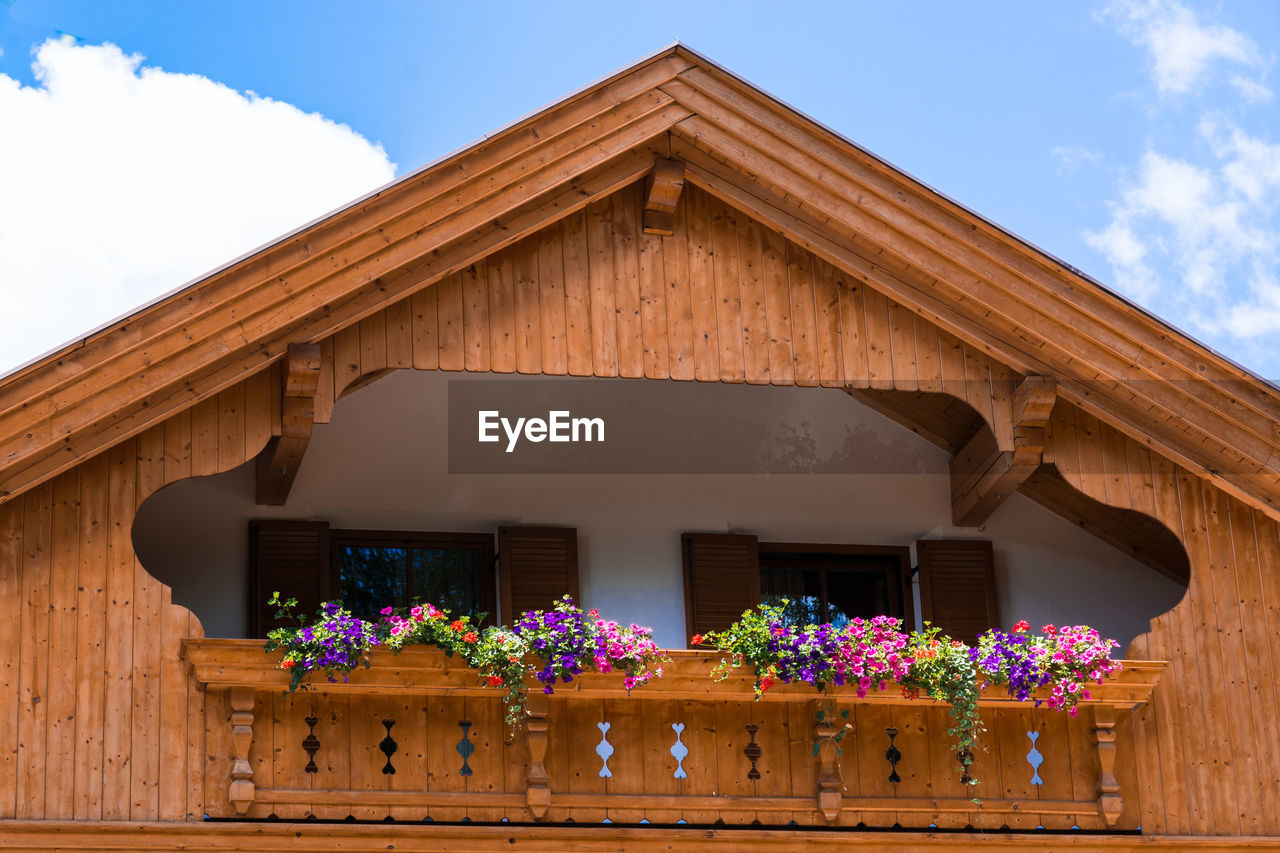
column 157, row 398
column 280, row 460
column 1133, row 533
column 941, row 419
column 984, row 474
column 289, row 836
column 1141, row 407
column 662, row 194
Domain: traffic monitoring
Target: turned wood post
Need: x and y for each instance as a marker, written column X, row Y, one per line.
column 1104, row 732
column 241, row 738
column 829, row 787
column 537, row 790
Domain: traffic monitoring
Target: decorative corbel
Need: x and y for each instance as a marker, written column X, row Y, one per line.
column 280, row 460
column 662, row 194
column 982, row 475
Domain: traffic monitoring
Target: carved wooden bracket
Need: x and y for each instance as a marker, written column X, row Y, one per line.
column 538, row 787
column 242, row 788
column 662, row 194
column 984, row 474
column 280, row 460
column 1109, row 803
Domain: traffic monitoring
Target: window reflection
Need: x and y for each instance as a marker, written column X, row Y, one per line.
column 450, row 570
column 834, row 586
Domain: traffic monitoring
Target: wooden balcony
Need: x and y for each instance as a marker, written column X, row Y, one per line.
column 416, row 738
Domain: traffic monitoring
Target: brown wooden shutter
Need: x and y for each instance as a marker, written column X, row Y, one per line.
column 536, row 566
column 721, row 579
column 291, row 557
column 957, row 586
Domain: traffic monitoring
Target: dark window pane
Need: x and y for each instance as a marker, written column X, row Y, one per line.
column 854, row 593
column 371, row 578
column 802, row 588
column 449, row 578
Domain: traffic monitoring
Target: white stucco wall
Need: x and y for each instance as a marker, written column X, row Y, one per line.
column 381, row 464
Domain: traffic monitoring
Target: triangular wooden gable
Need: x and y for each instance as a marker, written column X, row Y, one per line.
column 441, row 271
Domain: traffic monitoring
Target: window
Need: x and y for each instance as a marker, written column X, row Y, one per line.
column 373, row 569
column 370, row 569
column 836, row 583
column 725, row 574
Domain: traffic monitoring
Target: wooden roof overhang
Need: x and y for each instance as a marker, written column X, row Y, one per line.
column 1021, row 306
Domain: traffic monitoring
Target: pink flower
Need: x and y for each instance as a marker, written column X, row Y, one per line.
column 387, row 611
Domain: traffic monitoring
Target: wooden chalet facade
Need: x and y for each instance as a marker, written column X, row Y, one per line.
column 669, row 223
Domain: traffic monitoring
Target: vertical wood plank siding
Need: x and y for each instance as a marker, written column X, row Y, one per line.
column 96, row 707
column 98, row 719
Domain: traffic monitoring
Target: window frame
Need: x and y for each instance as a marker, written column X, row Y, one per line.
column 775, row 551
column 422, row 540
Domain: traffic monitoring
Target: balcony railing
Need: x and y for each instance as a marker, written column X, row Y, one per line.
column 417, row 738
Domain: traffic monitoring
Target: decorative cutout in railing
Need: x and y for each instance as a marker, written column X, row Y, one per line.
column 604, row 749
column 893, row 755
column 388, row 747
column 679, row 752
column 753, row 752
column 311, row 744
column 1035, row 759
column 465, row 747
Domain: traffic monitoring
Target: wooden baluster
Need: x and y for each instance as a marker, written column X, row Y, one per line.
column 537, row 790
column 1109, row 802
column 829, row 788
column 241, row 739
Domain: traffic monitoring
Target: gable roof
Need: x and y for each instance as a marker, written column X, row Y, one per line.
column 1020, row 305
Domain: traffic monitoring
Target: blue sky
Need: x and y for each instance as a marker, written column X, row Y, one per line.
column 1137, row 140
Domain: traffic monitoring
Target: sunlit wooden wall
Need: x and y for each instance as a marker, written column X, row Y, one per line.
column 97, row 716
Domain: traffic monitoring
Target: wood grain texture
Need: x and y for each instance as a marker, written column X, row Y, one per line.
column 728, row 299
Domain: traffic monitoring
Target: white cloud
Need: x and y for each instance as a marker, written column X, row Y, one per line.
column 1194, row 227
column 1183, row 51
column 1193, row 234
column 1072, row 157
column 1127, row 255
column 1253, row 166
column 120, row 182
